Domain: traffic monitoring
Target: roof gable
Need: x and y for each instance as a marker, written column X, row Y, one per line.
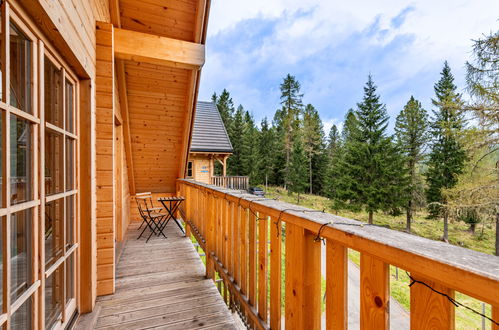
column 209, row 133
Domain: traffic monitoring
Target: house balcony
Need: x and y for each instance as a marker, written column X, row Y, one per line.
column 266, row 258
column 231, row 182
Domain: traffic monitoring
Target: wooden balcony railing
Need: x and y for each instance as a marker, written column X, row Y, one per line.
column 231, row 182
column 250, row 242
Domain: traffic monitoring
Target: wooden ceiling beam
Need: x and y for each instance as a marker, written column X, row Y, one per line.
column 153, row 49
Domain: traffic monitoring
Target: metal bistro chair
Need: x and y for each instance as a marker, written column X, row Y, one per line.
column 145, row 196
column 152, row 220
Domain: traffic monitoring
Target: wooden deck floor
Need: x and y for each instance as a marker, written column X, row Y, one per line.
column 160, row 285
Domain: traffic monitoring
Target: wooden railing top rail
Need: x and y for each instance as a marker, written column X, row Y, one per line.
column 467, row 271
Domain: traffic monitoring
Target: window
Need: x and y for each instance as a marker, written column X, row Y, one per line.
column 38, row 186
column 189, row 169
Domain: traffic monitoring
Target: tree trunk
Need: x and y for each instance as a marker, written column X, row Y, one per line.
column 497, row 234
column 472, row 228
column 266, row 183
column 370, row 217
column 445, row 238
column 409, row 217
column 298, row 199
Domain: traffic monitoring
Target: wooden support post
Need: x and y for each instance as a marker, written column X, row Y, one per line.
column 495, row 317
column 252, row 259
column 263, row 247
column 210, row 237
column 225, row 165
column 104, row 92
column 374, row 293
column 430, row 310
column 336, row 286
column 275, row 273
column 303, row 279
column 237, row 238
column 243, row 233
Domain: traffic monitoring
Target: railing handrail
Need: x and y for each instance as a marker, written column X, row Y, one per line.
column 470, row 272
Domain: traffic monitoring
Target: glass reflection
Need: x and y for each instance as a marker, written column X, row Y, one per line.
column 53, row 231
column 21, row 253
column 20, row 69
column 21, row 176
column 54, row 166
column 53, row 297
column 69, row 106
column 53, row 94
column 22, row 318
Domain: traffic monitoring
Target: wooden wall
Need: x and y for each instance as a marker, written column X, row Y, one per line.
column 105, row 135
column 202, row 167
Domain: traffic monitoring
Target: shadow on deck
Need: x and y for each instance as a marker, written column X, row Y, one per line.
column 160, row 284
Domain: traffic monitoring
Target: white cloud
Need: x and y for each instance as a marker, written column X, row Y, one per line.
column 305, row 31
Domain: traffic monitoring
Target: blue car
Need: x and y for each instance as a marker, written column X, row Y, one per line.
column 256, row 191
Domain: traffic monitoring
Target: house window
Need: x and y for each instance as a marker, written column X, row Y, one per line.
column 190, row 167
column 38, row 171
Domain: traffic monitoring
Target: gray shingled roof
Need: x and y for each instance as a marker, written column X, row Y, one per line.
column 209, row 133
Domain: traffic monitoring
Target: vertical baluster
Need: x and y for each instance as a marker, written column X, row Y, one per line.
column 374, row 293
column 336, row 286
column 495, row 317
column 237, row 244
column 230, row 240
column 252, row 259
column 303, row 279
column 275, row 274
column 210, row 237
column 263, row 227
column 429, row 310
column 243, row 256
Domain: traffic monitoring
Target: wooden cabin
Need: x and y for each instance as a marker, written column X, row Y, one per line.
column 210, row 144
column 97, row 101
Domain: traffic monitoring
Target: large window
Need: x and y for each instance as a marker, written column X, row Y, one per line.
column 38, row 186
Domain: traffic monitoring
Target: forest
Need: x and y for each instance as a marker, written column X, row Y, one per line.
column 443, row 160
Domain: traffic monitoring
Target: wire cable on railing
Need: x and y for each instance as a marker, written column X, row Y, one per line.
column 452, row 300
column 318, row 238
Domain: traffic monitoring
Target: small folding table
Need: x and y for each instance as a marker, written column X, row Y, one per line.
column 171, row 205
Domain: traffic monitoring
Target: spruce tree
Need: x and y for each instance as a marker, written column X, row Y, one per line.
column 288, row 117
column 371, row 175
column 411, row 131
column 333, row 153
column 266, row 151
column 235, row 161
column 225, row 106
column 297, row 175
column 250, row 150
column 447, row 157
column 313, row 138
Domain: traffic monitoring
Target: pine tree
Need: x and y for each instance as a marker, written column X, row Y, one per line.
column 297, row 175
column 371, row 175
column 266, row 151
column 235, row 161
column 333, row 153
column 333, row 141
column 313, row 138
column 225, row 106
column 412, row 135
column 288, row 117
column 447, row 157
column 250, row 150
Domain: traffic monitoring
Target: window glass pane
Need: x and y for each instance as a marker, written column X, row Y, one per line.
column 21, row 253
column 70, row 164
column 54, row 170
column 70, row 278
column 53, row 231
column 21, row 175
column 21, row 319
column 53, row 94
column 70, row 218
column 53, row 297
column 20, row 69
column 69, row 106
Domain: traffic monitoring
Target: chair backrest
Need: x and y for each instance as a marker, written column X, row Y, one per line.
column 141, row 200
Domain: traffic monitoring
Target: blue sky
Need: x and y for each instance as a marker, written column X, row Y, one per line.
column 331, row 46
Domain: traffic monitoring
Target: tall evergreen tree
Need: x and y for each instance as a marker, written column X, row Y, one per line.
column 333, row 153
column 412, row 135
column 250, row 150
column 235, row 161
column 297, row 175
column 370, row 170
column 447, row 157
column 313, row 144
column 288, row 118
column 225, row 106
column 267, row 150
column 333, row 141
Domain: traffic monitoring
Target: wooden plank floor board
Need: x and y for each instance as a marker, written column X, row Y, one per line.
column 161, row 285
